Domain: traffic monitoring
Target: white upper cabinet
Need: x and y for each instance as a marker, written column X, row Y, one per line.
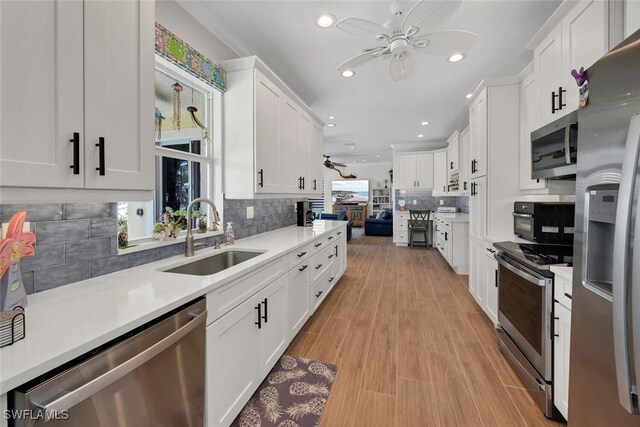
column 579, row 40
column 316, row 151
column 548, row 72
column 465, row 161
column 529, row 119
column 478, row 117
column 70, row 78
column 119, row 94
column 585, row 38
column 291, row 173
column 414, row 170
column 453, row 153
column 440, row 175
column 272, row 140
column 268, row 134
column 424, row 170
column 631, row 17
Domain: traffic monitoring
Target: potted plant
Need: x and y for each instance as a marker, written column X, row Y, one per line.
column 172, row 222
column 201, row 217
column 123, row 233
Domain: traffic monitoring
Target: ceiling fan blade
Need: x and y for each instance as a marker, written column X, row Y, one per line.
column 360, row 59
column 401, row 66
column 428, row 14
column 445, row 42
column 362, row 27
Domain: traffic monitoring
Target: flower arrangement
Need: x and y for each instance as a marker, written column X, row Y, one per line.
column 16, row 245
column 172, row 222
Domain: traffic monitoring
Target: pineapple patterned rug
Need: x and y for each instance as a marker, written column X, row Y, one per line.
column 293, row 395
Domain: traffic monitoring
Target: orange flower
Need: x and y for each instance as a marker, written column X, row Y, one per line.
column 17, row 244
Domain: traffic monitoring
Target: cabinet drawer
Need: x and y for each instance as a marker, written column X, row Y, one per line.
column 223, row 299
column 320, row 289
column 400, row 236
column 320, row 263
column 400, row 224
column 562, row 290
column 300, row 254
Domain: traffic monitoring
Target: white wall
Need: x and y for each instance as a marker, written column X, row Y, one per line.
column 374, row 172
column 174, row 18
column 632, row 17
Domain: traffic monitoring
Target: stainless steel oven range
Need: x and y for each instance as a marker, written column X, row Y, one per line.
column 525, row 313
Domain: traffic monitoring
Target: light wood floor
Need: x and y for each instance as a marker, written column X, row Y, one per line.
column 411, row 346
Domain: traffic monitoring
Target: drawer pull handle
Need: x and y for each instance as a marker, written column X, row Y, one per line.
column 318, row 294
column 339, row 233
column 317, row 245
column 101, row 162
column 259, row 322
column 301, row 254
column 330, row 237
column 318, row 266
column 331, row 279
column 567, row 295
column 266, row 311
column 331, row 256
column 303, row 268
column 76, row 153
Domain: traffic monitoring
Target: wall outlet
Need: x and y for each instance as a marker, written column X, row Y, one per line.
column 249, row 212
column 5, row 225
column 441, row 202
column 415, row 202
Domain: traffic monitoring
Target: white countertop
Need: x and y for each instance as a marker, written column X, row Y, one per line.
column 453, row 217
column 66, row 322
column 563, row 271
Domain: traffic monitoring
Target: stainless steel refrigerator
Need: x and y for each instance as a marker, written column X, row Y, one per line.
column 605, row 317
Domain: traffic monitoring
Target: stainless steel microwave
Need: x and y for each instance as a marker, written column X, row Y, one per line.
column 554, row 149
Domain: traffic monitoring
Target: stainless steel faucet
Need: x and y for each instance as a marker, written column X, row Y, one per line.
column 189, row 247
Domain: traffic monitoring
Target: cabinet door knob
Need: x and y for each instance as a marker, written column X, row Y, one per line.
column 76, row 153
column 101, row 161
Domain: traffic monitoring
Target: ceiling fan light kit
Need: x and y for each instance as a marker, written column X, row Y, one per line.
column 401, row 37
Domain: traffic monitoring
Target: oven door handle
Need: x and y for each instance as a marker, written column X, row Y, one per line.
column 521, row 215
column 521, row 273
column 567, row 145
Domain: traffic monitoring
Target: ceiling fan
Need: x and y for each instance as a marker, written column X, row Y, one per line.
column 402, row 35
column 335, row 165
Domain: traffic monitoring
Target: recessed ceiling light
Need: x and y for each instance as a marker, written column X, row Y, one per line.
column 331, row 125
column 348, row 73
column 364, row 160
column 325, row 20
column 353, row 147
column 469, row 95
column 456, row 57
column 353, row 161
column 378, row 155
column 424, row 123
column 331, row 117
column 420, row 136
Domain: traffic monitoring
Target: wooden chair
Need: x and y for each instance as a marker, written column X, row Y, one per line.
column 420, row 222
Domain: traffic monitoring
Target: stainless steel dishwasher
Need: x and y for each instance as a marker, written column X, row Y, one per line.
column 152, row 377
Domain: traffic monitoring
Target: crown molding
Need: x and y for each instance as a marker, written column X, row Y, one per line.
column 203, row 13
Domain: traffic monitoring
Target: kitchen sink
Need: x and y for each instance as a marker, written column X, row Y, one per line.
column 214, row 263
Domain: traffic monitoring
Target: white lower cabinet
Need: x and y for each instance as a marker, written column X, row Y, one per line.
column 231, row 368
column 561, row 342
column 298, row 294
column 401, row 228
column 491, row 283
column 451, row 238
column 245, row 342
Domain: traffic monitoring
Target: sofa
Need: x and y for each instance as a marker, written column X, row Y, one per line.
column 340, row 216
column 379, row 225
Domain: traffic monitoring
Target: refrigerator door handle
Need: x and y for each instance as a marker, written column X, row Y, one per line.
column 621, row 266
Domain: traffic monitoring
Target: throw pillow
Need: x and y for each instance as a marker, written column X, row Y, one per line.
column 386, row 214
column 380, row 215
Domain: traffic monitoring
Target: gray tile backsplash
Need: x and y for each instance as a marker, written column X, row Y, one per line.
column 426, row 201
column 77, row 241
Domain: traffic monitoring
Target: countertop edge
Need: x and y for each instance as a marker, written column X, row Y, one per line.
column 28, row 374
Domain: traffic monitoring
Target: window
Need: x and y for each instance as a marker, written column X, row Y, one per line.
column 187, row 120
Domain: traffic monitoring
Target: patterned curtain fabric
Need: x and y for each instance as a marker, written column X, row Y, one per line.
column 170, row 47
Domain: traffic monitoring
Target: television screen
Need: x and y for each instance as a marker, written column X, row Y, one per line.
column 351, row 191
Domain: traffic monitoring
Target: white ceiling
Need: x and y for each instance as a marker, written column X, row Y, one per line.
column 371, row 109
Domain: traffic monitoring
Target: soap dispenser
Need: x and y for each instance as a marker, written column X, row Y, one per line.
column 229, row 235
